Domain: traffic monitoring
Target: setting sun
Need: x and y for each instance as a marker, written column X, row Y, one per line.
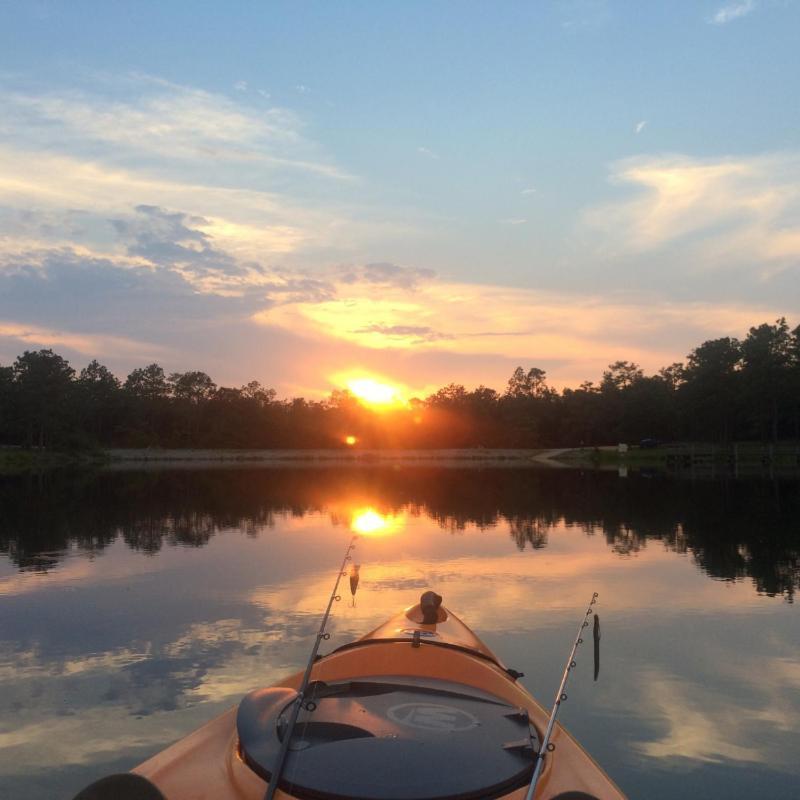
column 374, row 392
column 350, row 440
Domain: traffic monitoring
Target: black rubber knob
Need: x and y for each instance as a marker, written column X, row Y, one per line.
column 125, row 786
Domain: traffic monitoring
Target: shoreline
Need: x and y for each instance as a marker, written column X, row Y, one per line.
column 20, row 462
column 745, row 458
column 319, row 456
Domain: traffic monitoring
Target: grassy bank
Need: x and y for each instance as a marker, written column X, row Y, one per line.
column 189, row 456
column 740, row 455
column 588, row 457
column 15, row 461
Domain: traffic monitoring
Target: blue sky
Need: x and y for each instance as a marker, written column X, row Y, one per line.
column 425, row 192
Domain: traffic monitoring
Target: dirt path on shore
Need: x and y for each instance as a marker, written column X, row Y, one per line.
column 550, row 457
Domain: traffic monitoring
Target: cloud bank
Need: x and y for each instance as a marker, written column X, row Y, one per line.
column 142, row 220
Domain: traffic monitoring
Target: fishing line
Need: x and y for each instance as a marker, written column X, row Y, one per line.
column 545, row 746
column 300, row 701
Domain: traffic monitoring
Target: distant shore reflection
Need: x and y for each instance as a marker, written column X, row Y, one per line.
column 732, row 529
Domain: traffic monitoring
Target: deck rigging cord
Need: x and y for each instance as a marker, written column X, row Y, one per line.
column 299, row 701
column 545, row 746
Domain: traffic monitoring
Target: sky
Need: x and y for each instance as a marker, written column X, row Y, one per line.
column 421, row 192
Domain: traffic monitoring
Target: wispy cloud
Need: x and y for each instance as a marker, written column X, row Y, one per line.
column 403, row 333
column 733, row 11
column 293, row 288
column 427, row 152
column 700, row 732
column 728, row 211
column 513, row 221
column 529, row 190
column 387, row 274
column 246, row 222
column 640, row 126
column 165, row 120
column 92, row 345
column 252, row 177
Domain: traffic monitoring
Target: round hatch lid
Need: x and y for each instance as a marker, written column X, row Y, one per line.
column 390, row 739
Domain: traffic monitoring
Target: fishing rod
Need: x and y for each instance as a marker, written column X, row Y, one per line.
column 545, row 746
column 297, row 704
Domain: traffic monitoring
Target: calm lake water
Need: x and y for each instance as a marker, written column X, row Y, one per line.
column 135, row 606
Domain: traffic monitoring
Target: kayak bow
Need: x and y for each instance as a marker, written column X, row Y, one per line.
column 418, row 709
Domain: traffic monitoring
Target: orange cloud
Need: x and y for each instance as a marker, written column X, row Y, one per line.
column 87, row 344
column 584, row 332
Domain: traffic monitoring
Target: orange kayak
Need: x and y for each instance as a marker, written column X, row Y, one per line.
column 411, row 711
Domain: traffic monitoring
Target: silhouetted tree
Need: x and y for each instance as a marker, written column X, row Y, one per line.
column 147, row 416
column 710, row 382
column 191, row 392
column 794, row 381
column 99, row 399
column 621, row 375
column 528, row 384
column 580, row 414
column 452, row 396
column 674, row 375
column 44, row 383
column 194, row 388
column 148, row 383
column 7, row 387
column 256, row 392
column 766, row 356
column 726, row 390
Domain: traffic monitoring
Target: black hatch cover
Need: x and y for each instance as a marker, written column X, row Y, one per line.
column 390, row 739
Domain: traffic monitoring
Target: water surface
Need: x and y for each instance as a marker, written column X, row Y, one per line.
column 134, row 606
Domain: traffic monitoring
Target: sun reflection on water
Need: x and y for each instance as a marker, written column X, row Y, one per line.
column 368, row 522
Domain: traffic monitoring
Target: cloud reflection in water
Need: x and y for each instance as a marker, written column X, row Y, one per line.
column 195, row 587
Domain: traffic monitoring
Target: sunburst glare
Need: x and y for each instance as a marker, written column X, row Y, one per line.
column 368, row 522
column 376, row 393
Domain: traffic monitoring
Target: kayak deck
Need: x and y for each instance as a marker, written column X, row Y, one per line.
column 392, row 676
column 390, row 738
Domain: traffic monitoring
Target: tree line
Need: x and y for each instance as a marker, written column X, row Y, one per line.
column 726, row 390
